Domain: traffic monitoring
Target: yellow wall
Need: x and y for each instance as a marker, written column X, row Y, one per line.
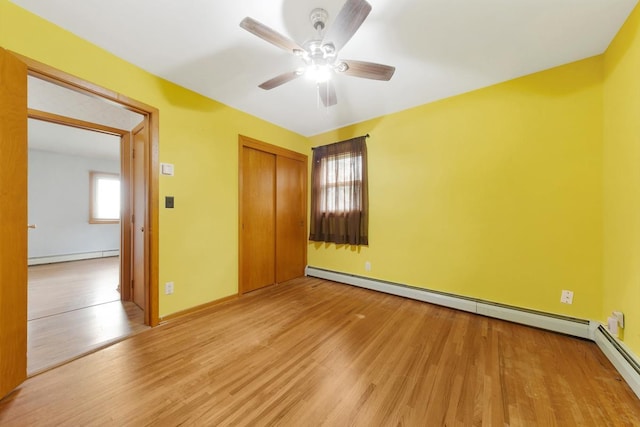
column 494, row 194
column 622, row 179
column 199, row 238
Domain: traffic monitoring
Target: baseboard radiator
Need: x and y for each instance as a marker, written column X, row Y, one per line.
column 624, row 361
column 72, row 257
column 619, row 355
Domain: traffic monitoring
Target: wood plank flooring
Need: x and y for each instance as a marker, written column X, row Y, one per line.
column 75, row 308
column 311, row 352
column 67, row 286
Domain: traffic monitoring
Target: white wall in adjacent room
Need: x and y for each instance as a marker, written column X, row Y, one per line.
column 59, row 205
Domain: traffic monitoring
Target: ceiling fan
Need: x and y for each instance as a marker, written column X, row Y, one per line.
column 320, row 54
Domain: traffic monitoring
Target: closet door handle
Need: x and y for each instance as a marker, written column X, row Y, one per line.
column 32, row 226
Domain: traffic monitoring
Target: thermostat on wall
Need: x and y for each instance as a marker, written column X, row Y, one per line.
column 166, row 169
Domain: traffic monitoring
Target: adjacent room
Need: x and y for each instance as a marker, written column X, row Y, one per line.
column 74, row 295
column 333, row 213
column 74, row 299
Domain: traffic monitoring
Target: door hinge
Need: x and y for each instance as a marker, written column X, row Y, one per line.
column 133, row 153
column 133, row 218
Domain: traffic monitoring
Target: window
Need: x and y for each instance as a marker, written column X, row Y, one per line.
column 343, row 176
column 104, row 200
column 339, row 195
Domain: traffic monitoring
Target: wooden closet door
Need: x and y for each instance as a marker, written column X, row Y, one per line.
column 258, row 219
column 291, row 226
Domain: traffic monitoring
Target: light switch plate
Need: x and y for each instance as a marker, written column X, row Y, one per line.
column 166, row 169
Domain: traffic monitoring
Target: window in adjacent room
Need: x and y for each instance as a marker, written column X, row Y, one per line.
column 104, row 200
column 339, row 194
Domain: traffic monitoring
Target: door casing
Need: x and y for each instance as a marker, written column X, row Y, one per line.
column 45, row 72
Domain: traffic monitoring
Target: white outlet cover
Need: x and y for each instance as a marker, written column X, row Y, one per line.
column 168, row 288
column 566, row 297
column 620, row 318
column 612, row 325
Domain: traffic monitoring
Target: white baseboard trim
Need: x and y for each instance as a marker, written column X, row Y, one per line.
column 622, row 359
column 72, row 257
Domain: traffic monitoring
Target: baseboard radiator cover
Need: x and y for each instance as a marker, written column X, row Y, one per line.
column 72, row 257
column 625, row 362
column 556, row 323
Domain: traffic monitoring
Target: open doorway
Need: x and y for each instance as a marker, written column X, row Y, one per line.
column 13, row 178
column 79, row 250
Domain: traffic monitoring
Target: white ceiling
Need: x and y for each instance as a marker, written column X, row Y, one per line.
column 440, row 48
column 55, row 138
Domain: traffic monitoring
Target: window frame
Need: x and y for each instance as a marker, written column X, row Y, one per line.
column 94, row 176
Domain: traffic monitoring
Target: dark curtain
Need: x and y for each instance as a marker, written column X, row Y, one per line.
column 339, row 193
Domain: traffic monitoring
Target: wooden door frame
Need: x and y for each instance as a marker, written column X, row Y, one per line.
column 60, row 78
column 245, row 141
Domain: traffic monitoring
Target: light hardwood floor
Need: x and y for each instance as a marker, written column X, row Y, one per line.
column 74, row 308
column 311, row 352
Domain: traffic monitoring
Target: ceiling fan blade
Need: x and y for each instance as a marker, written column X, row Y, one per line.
column 327, row 92
column 367, row 70
column 270, row 35
column 347, row 22
column 280, row 80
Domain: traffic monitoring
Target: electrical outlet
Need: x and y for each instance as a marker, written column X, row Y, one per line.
column 168, row 288
column 619, row 316
column 612, row 325
column 367, row 266
column 566, row 297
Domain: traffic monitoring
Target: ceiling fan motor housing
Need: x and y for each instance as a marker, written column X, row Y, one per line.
column 318, row 52
column 318, row 18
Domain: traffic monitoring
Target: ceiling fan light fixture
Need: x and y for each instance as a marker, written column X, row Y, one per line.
column 341, row 67
column 329, row 49
column 318, row 73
